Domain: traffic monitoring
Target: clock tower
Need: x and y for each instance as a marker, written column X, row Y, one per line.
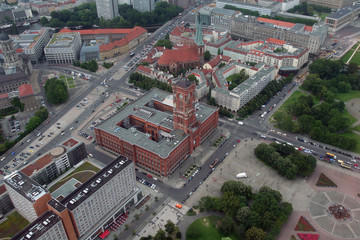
column 184, row 105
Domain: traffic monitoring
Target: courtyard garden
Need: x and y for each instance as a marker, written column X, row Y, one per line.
column 13, row 224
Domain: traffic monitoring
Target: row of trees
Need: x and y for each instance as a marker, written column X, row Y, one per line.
column 171, row 231
column 285, row 160
column 147, row 83
column 40, row 116
column 265, row 95
column 286, row 19
column 85, row 15
column 308, row 9
column 260, row 220
column 56, row 91
column 91, row 65
column 325, row 120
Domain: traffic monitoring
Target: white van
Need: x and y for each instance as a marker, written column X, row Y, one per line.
column 240, row 123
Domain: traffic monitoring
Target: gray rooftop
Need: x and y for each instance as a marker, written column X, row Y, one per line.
column 342, row 12
column 25, row 186
column 142, row 108
column 39, row 227
column 96, row 182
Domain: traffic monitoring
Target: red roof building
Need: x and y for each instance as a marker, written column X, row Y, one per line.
column 25, row 90
column 177, row 59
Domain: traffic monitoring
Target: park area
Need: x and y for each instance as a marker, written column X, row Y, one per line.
column 349, row 57
column 82, row 174
column 13, row 224
column 70, row 82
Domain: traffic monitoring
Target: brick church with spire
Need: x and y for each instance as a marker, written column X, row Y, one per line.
column 160, row 130
column 174, row 60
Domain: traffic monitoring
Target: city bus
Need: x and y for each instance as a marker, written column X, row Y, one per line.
column 344, row 165
column 330, row 155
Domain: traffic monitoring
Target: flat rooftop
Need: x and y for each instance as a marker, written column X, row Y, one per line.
column 25, row 186
column 96, row 182
column 39, row 227
column 142, row 109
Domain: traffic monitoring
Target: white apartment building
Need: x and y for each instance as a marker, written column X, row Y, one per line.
column 28, row 197
column 259, row 76
column 63, row 48
column 272, row 52
column 32, row 42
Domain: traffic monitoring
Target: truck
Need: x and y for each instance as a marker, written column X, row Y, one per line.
column 241, row 175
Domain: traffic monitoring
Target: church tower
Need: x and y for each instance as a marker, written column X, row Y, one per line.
column 184, row 113
column 199, row 40
column 11, row 59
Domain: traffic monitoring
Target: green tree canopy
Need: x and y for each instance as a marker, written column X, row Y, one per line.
column 56, row 91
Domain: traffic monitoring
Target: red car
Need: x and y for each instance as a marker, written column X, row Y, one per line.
column 356, row 165
column 149, row 176
column 239, row 140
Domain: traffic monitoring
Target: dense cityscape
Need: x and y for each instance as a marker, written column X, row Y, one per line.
column 179, row 119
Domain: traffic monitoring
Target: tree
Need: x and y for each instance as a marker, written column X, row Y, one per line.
column 237, row 188
column 44, row 21
column 226, row 225
column 212, row 101
column 56, row 91
column 207, row 55
column 164, row 43
column 169, row 227
column 17, row 103
column 255, row 233
column 353, row 68
column 242, row 215
column 160, row 235
column 178, row 235
column 193, row 78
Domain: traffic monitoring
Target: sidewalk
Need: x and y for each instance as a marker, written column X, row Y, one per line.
column 198, row 157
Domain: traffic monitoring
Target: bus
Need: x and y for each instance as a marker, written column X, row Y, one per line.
column 330, row 155
column 344, row 165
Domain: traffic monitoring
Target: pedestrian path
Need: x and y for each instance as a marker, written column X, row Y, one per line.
column 353, row 54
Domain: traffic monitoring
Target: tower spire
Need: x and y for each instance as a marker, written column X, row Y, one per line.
column 198, row 37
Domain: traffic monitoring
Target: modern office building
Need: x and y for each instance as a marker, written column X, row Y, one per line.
column 342, row 17
column 102, row 44
column 285, row 4
column 28, row 197
column 32, row 42
column 273, row 52
column 91, row 209
column 63, row 48
column 159, row 130
column 55, row 162
column 221, row 18
column 107, row 9
column 259, row 76
column 263, row 28
column 334, row 4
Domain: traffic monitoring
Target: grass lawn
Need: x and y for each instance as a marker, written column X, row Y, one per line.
column 348, row 96
column 347, row 55
column 69, row 79
column 293, row 98
column 62, row 77
column 322, row 15
column 205, row 229
column 13, row 224
column 346, row 114
column 80, row 177
column 353, row 136
column 356, row 58
column 72, row 85
column 355, row 46
column 357, row 128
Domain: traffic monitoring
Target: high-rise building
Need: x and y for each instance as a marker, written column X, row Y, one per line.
column 28, row 197
column 144, row 5
column 85, row 213
column 107, row 9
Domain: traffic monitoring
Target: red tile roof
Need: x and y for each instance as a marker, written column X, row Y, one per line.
column 179, row 30
column 2, row 189
column 276, row 22
column 308, row 28
column 70, row 143
column 98, row 31
column 134, row 33
column 144, row 69
column 219, row 58
column 275, row 41
column 4, row 95
column 39, row 164
column 25, row 90
column 186, row 54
